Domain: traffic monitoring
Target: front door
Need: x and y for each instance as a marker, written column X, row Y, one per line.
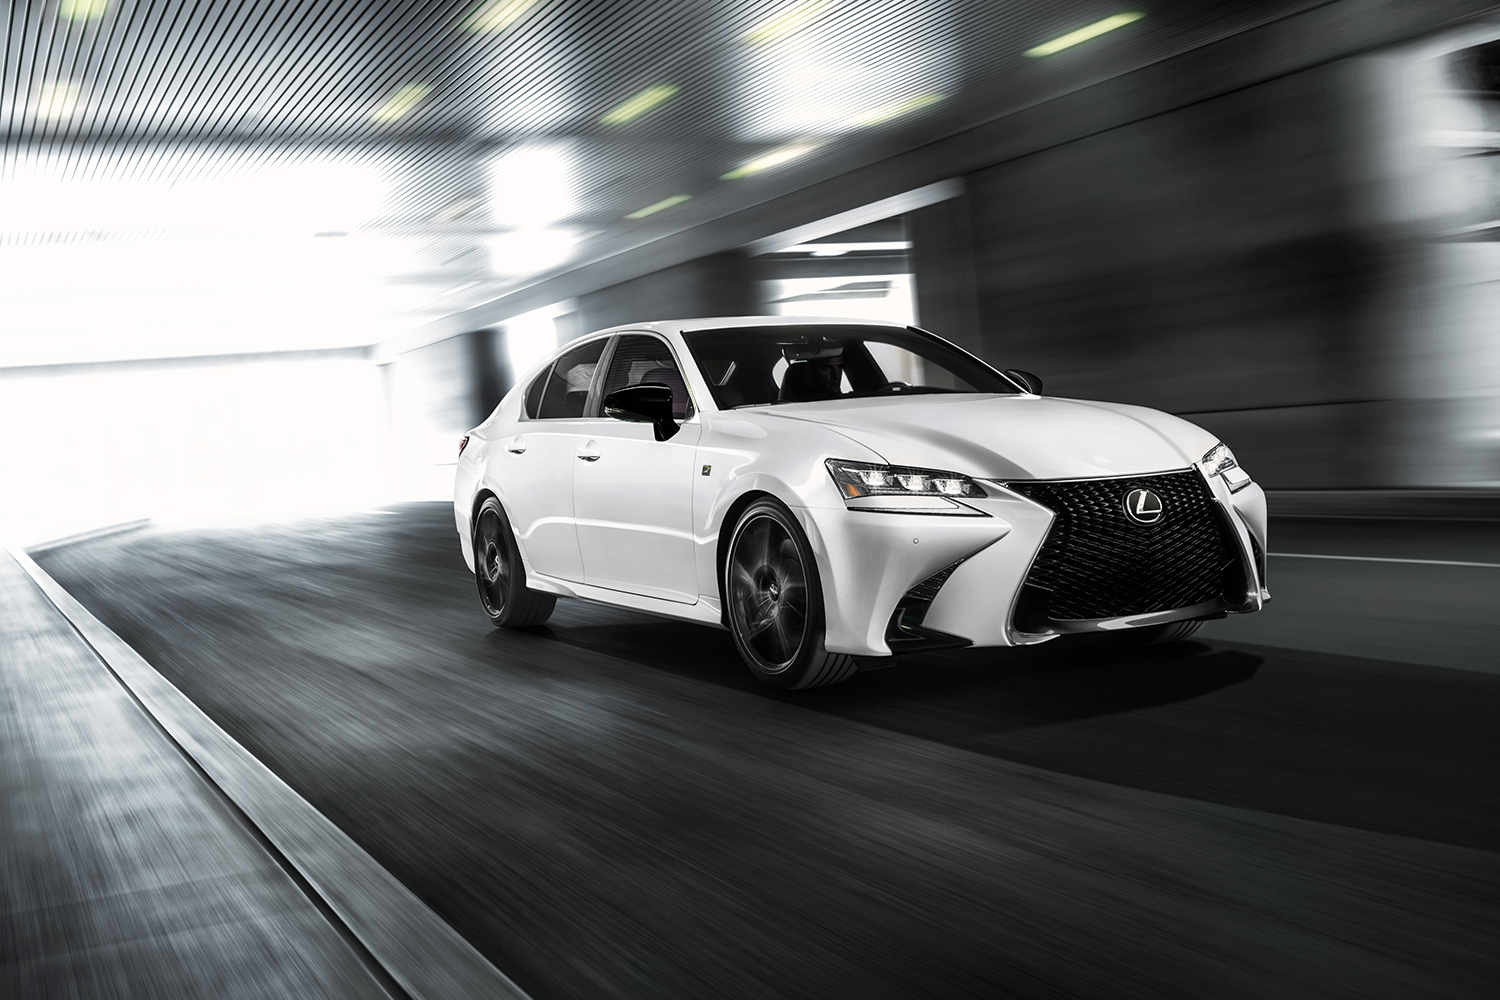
column 632, row 494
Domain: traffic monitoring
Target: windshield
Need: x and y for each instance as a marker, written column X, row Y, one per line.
column 757, row 365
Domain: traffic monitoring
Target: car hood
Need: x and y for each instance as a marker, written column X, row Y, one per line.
column 1009, row 437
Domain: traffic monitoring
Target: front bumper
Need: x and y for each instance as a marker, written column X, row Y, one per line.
column 896, row 582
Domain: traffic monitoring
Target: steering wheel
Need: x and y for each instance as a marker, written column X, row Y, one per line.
column 891, row 388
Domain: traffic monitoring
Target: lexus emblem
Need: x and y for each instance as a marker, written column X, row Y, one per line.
column 1143, row 506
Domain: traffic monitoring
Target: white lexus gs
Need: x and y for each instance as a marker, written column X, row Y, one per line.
column 836, row 491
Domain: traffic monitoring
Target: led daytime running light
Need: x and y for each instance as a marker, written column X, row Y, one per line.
column 860, row 479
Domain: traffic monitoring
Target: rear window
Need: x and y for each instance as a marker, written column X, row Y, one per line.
column 567, row 390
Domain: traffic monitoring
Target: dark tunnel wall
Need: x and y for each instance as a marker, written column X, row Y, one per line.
column 717, row 285
column 1213, row 262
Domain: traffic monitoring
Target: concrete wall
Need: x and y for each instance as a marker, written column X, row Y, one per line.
column 1216, row 261
column 717, row 285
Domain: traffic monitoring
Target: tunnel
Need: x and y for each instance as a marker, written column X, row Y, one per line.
column 1028, row 522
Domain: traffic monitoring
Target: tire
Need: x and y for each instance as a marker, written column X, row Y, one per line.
column 501, row 576
column 774, row 601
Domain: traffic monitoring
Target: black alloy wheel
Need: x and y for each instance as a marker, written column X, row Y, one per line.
column 501, row 576
column 775, row 604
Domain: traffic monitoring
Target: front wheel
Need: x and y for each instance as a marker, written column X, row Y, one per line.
column 500, row 574
column 775, row 602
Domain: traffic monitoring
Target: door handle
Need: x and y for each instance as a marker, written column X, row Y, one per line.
column 516, row 446
column 589, row 452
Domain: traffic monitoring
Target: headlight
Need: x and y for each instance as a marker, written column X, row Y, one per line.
column 1219, row 461
column 860, row 479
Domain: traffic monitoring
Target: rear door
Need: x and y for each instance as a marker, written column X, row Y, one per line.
column 535, row 466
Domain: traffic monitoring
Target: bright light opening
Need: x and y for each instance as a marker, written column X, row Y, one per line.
column 531, row 187
column 529, row 251
column 1084, row 34
column 634, row 107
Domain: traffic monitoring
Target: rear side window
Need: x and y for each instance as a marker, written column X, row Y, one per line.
column 567, row 391
column 639, row 359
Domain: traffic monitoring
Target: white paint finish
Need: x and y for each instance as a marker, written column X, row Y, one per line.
column 627, row 511
column 634, row 510
column 538, row 493
column 999, row 437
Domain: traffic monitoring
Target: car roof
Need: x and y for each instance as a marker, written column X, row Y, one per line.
column 721, row 322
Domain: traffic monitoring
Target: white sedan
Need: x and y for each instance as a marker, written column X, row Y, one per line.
column 834, row 492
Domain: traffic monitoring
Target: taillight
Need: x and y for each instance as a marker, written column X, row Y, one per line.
column 463, row 443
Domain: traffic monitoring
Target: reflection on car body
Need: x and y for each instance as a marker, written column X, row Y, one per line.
column 838, row 491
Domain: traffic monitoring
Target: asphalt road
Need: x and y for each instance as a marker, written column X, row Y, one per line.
column 608, row 806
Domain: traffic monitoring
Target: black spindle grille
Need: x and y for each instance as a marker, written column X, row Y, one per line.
column 1098, row 563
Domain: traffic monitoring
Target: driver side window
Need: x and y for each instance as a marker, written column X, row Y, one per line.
column 640, row 359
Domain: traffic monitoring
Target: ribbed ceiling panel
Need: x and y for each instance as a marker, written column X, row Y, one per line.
column 193, row 100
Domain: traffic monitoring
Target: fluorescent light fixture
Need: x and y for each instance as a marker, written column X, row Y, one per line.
column 82, row 10
column 638, row 105
column 57, row 100
column 791, row 20
column 676, row 199
column 774, row 158
column 497, row 15
column 401, row 103
column 886, row 112
column 1085, row 33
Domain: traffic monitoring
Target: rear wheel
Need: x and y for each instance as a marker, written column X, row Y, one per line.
column 500, row 574
column 775, row 602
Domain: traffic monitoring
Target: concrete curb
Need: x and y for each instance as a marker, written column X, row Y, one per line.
column 412, row 944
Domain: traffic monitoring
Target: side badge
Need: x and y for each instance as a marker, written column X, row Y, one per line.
column 707, row 469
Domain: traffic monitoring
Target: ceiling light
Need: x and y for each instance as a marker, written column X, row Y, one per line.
column 56, row 101
column 1085, row 33
column 895, row 109
column 400, row 104
column 497, row 15
column 792, row 19
column 82, row 10
column 676, row 199
column 774, row 158
column 638, row 105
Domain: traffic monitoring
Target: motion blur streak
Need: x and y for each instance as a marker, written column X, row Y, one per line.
column 264, row 264
column 599, row 803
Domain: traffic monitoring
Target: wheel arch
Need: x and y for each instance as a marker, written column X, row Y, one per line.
column 726, row 532
column 484, row 493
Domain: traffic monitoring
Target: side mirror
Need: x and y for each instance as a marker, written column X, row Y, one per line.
column 649, row 402
column 1025, row 380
